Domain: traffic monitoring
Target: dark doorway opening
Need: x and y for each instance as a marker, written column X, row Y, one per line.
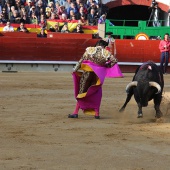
column 131, row 12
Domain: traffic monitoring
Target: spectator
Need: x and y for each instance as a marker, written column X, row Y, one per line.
column 71, row 14
column 57, row 7
column 3, row 20
column 43, row 22
column 56, row 28
column 18, row 5
column 28, row 7
column 78, row 3
column 15, row 17
column 40, row 9
column 54, row 16
column 78, row 29
column 24, row 16
column 83, row 20
column 42, row 33
column 82, row 11
column 8, row 8
column 64, row 17
column 164, row 47
column 93, row 5
column 61, row 10
column 22, row 28
column 65, row 29
column 5, row 14
column 92, row 17
column 102, row 19
column 67, row 4
column 72, row 7
column 33, row 10
column 8, row 27
column 33, row 19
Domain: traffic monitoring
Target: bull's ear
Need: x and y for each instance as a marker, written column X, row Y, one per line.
column 133, row 83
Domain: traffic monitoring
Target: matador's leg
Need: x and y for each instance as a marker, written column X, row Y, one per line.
column 87, row 79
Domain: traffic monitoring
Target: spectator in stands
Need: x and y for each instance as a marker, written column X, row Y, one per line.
column 67, row 4
column 18, row 4
column 28, row 7
column 73, row 18
column 54, row 16
column 22, row 28
column 56, row 28
column 33, row 19
column 61, row 2
column 102, row 19
column 61, row 10
column 5, row 14
column 42, row 33
column 71, row 14
column 8, row 8
column 40, row 13
column 43, row 22
column 82, row 11
column 90, row 2
column 92, row 17
column 83, row 20
column 50, row 5
column 15, row 17
column 57, row 6
column 0, row 8
column 24, row 16
column 65, row 29
column 72, row 7
column 11, row 11
column 33, row 10
column 64, row 17
column 78, row 29
column 2, row 19
column 8, row 27
column 40, row 9
column 78, row 2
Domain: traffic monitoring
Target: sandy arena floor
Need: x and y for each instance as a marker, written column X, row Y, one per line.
column 35, row 133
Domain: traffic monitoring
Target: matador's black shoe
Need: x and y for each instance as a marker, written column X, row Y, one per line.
column 73, row 116
column 97, row 117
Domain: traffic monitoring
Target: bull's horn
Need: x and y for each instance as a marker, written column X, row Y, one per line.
column 154, row 84
column 133, row 83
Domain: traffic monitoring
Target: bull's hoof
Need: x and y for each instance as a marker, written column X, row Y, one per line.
column 158, row 115
column 122, row 109
column 73, row 116
column 140, row 115
column 97, row 117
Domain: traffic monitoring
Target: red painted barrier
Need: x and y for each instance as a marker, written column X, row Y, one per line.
column 70, row 47
column 137, row 50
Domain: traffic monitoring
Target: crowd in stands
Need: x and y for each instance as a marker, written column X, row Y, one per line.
column 85, row 12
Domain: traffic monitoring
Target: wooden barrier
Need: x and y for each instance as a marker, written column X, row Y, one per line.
column 70, row 47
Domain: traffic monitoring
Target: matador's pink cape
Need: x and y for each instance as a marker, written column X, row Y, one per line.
column 92, row 98
column 114, row 72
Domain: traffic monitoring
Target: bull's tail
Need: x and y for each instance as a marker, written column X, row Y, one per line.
column 129, row 95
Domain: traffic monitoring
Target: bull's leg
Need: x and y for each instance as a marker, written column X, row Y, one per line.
column 157, row 101
column 158, row 111
column 140, row 114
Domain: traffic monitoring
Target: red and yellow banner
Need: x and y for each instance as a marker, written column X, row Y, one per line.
column 71, row 25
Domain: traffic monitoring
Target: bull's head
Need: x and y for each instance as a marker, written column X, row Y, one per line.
column 143, row 90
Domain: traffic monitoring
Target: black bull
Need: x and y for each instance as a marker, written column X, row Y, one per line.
column 147, row 84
